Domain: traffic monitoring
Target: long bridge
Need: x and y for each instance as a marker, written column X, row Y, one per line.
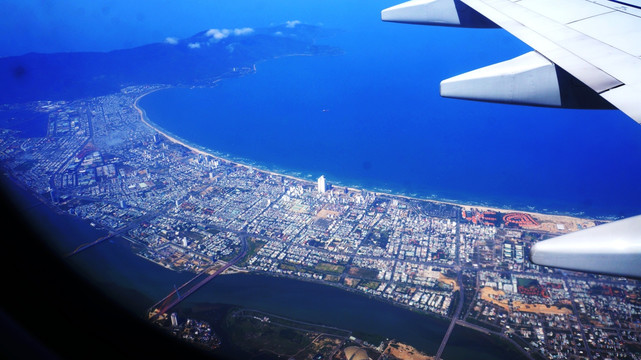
column 118, row 232
column 167, row 303
column 455, row 316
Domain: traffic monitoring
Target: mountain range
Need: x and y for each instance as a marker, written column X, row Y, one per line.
column 194, row 61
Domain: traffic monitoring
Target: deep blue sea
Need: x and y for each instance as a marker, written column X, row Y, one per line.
column 373, row 119
column 385, row 127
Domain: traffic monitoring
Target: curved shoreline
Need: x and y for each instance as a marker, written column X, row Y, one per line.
column 199, row 150
column 433, row 316
column 176, row 140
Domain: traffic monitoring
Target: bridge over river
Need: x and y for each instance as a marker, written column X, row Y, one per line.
column 195, row 283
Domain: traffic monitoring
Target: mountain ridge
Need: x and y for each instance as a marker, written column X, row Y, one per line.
column 194, row 61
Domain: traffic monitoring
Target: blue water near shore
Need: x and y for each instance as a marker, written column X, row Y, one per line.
column 27, row 123
column 387, row 127
column 373, row 120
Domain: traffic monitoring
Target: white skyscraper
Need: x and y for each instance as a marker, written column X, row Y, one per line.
column 321, row 184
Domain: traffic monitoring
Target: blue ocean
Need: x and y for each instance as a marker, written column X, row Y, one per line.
column 371, row 118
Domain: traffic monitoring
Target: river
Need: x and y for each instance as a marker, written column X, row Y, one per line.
column 137, row 283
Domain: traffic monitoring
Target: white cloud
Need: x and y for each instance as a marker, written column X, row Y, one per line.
column 171, row 40
column 219, row 34
column 278, row 33
column 243, row 31
column 292, row 23
column 194, row 45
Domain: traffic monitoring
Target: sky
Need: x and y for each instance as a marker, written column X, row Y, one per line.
column 103, row 25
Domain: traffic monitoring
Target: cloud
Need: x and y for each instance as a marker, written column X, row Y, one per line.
column 194, row 45
column 278, row 33
column 243, row 31
column 219, row 34
column 171, row 40
column 292, row 23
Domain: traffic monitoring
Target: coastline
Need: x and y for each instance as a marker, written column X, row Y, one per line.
column 176, row 140
column 197, row 150
column 467, row 207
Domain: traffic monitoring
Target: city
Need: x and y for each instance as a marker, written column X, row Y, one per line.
column 192, row 211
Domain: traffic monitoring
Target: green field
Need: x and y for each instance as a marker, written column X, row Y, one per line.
column 261, row 333
column 372, row 285
column 286, row 266
column 253, row 246
column 364, row 273
column 257, row 336
column 329, row 268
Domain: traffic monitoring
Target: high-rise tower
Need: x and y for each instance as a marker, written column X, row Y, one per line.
column 321, row 184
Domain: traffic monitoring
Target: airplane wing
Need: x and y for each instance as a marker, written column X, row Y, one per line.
column 587, row 54
column 594, row 41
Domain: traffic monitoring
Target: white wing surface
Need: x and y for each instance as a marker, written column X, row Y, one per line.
column 587, row 54
column 597, row 42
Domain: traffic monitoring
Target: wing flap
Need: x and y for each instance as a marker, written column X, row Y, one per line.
column 547, row 36
column 598, row 64
column 571, row 11
column 627, row 98
column 613, row 28
column 436, row 12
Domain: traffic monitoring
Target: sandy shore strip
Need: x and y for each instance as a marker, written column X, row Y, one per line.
column 174, row 139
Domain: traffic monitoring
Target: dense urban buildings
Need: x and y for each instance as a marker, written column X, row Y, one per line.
column 188, row 210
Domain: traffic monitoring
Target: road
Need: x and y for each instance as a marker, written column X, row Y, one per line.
column 455, row 316
column 490, row 332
